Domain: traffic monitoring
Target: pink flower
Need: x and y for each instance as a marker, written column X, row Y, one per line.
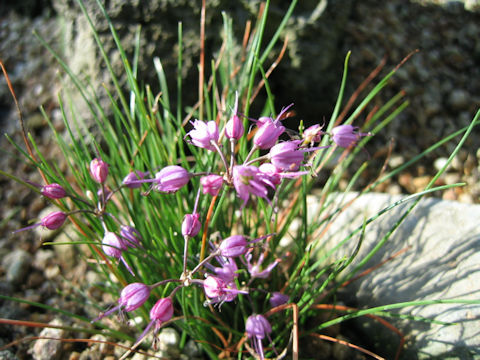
column 98, row 170
column 53, row 191
column 131, row 298
column 218, row 291
column 204, row 134
column 286, row 155
column 255, row 268
column 312, row 134
column 269, row 130
column 211, row 184
column 162, row 311
column 257, row 328
column 131, row 180
column 249, row 180
column 233, row 246
column 130, row 236
column 54, row 220
column 113, row 245
column 191, row 226
column 278, row 299
column 346, row 135
column 171, row 178
column 234, row 127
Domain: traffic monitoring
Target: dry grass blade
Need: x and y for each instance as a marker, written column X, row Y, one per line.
column 350, row 345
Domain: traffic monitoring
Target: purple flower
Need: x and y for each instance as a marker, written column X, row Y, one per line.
column 53, row 191
column 98, row 170
column 218, row 291
column 228, row 271
column 234, row 127
column 191, row 226
column 257, row 328
column 312, row 134
column 54, row 220
column 286, row 155
column 211, row 184
column 269, row 130
column 162, row 311
column 171, row 178
column 249, row 180
column 204, row 134
column 113, row 245
column 131, row 179
column 130, row 236
column 233, row 246
column 131, row 298
column 254, row 269
column 278, row 299
column 346, row 135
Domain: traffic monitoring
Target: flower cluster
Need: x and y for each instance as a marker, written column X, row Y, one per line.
column 234, row 263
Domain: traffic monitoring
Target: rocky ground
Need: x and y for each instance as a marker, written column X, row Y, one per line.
column 441, row 83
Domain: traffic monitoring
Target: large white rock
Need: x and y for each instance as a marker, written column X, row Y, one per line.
column 442, row 262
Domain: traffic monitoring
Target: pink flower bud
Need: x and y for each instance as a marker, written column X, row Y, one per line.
column 211, row 184
column 213, row 287
column 286, row 155
column 130, row 180
column 171, row 178
column 346, row 135
column 268, row 134
column 234, row 127
column 191, row 225
column 258, row 326
column 162, row 311
column 53, row 191
column 133, row 296
column 130, row 236
column 204, row 134
column 233, row 246
column 54, row 220
column 278, row 299
column 98, row 170
column 113, row 245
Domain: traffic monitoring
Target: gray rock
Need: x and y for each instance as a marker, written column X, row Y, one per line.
column 442, row 262
column 7, row 355
column 17, row 264
column 49, row 349
column 168, row 341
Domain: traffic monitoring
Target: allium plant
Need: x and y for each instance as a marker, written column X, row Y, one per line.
column 184, row 214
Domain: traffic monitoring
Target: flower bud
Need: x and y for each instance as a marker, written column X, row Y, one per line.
column 113, row 245
column 130, row 236
column 234, row 127
column 346, row 135
column 98, row 170
column 211, row 184
column 258, row 326
column 53, row 191
column 133, row 296
column 286, row 155
column 54, row 220
column 162, row 311
column 130, row 180
column 278, row 299
column 191, row 225
column 171, row 178
column 233, row 246
column 268, row 134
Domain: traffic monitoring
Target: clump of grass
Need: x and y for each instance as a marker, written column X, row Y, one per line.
column 186, row 214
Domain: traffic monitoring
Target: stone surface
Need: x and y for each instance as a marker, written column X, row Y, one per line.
column 441, row 262
column 17, row 264
column 49, row 349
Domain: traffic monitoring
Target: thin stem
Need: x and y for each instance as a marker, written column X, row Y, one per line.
column 250, row 154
